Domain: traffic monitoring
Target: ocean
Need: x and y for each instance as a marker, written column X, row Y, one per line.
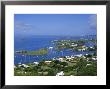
column 38, row 42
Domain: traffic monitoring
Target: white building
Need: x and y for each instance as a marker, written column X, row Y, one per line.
column 63, row 44
column 48, row 62
column 72, row 56
column 19, row 65
column 67, row 56
column 74, row 45
column 36, row 63
column 88, row 65
column 94, row 59
column 24, row 65
column 60, row 59
column 91, row 47
column 60, row 73
column 78, row 55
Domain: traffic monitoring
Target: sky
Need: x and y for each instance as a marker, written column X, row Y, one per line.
column 55, row 24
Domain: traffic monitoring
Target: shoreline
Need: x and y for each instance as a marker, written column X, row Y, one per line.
column 44, row 66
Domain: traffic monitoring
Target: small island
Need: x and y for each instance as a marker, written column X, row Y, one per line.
column 55, row 45
column 42, row 51
column 74, row 65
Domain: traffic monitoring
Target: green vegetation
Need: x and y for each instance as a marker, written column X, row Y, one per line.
column 36, row 52
column 75, row 45
column 86, row 70
column 77, row 66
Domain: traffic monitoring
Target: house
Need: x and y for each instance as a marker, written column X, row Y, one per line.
column 60, row 73
column 88, row 65
column 63, row 44
column 48, row 62
column 83, row 49
column 61, row 59
column 79, row 49
column 91, row 47
column 70, row 59
column 78, row 55
column 67, row 56
column 72, row 56
column 24, row 65
column 19, row 65
column 86, row 54
column 73, row 45
column 94, row 59
column 36, row 63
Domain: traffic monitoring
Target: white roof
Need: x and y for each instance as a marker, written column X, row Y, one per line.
column 48, row 61
column 94, row 58
column 36, row 62
column 79, row 55
column 60, row 73
column 25, row 65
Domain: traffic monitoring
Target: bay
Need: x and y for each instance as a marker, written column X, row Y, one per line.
column 37, row 42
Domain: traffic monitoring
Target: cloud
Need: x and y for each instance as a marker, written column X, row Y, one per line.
column 93, row 21
column 23, row 26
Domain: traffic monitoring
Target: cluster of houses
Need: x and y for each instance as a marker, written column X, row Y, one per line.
column 79, row 48
column 71, row 59
column 67, row 58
